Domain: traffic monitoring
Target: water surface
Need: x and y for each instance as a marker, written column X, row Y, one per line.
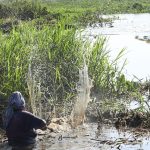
column 90, row 138
column 129, row 31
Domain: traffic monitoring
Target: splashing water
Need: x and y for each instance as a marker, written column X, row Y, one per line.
column 83, row 97
column 34, row 86
column 34, row 93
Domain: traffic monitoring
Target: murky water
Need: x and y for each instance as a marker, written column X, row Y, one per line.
column 130, row 31
column 83, row 97
column 90, row 138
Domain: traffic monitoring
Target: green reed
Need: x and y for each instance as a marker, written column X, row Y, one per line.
column 108, row 79
column 81, row 12
column 53, row 53
column 42, row 60
column 44, row 63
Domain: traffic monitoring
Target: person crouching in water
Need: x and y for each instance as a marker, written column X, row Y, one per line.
column 20, row 125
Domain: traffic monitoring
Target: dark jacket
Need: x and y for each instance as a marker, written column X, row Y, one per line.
column 21, row 129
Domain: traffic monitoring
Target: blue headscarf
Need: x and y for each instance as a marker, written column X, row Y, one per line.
column 16, row 102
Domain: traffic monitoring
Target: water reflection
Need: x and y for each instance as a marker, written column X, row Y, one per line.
column 134, row 105
column 107, row 138
column 127, row 32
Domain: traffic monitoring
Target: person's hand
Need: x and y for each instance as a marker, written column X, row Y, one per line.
column 44, row 128
column 44, row 125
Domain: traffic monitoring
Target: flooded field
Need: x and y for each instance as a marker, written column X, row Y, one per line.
column 132, row 32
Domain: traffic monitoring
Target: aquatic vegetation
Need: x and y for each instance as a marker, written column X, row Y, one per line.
column 40, row 54
column 44, row 63
column 82, row 12
column 53, row 54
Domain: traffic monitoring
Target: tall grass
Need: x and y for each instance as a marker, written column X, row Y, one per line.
column 108, row 79
column 43, row 64
column 54, row 57
column 42, row 61
column 86, row 9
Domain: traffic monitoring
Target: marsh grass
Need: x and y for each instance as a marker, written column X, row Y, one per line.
column 42, row 60
column 80, row 12
column 52, row 57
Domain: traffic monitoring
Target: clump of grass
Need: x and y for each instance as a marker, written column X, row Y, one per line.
column 108, row 79
column 24, row 10
column 4, row 11
column 54, row 55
